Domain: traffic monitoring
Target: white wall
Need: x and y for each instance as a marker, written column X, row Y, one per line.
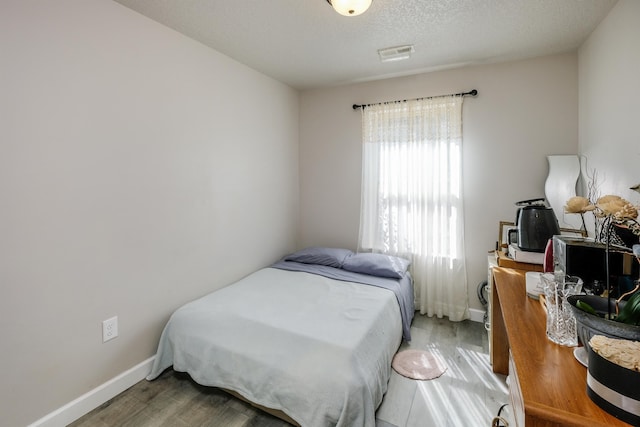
column 525, row 111
column 609, row 70
column 138, row 170
column 130, row 181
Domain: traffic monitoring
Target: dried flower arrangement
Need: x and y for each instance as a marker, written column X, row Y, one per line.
column 613, row 216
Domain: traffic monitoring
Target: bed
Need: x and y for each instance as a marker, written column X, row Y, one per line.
column 310, row 337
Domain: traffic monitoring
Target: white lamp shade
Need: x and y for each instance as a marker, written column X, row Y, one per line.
column 350, row 7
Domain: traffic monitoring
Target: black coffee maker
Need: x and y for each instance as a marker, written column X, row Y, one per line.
column 536, row 224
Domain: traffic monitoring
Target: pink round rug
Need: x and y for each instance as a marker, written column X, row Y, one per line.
column 417, row 365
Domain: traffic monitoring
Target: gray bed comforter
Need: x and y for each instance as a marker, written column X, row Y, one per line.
column 401, row 288
column 316, row 348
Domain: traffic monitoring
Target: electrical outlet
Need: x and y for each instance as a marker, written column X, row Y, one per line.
column 109, row 329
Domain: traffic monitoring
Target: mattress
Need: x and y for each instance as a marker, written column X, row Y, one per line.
column 316, row 348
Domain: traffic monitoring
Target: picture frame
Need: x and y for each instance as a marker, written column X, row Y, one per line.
column 503, row 234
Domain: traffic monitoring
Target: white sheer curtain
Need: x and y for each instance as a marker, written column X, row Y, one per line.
column 412, row 196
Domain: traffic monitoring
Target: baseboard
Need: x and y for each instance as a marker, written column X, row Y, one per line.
column 99, row 395
column 96, row 397
column 476, row 315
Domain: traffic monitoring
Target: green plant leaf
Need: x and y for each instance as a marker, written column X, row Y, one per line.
column 630, row 313
column 585, row 307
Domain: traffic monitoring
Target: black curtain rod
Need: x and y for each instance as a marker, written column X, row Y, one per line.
column 471, row 92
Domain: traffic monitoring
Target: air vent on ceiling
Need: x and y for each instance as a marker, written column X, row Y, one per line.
column 396, row 53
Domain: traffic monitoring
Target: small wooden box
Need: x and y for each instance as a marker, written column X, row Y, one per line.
column 504, row 261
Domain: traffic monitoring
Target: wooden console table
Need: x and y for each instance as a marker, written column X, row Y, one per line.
column 547, row 384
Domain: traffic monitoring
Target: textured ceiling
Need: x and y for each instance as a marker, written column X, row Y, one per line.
column 305, row 44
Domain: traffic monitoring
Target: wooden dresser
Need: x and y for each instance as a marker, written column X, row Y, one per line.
column 547, row 384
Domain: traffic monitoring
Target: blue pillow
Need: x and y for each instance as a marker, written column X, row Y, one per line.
column 380, row 265
column 333, row 257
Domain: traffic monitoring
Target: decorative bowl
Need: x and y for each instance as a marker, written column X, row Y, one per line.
column 589, row 325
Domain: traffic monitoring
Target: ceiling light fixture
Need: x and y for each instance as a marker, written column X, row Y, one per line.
column 350, row 7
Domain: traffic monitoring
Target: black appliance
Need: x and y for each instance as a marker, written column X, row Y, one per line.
column 576, row 256
column 536, row 224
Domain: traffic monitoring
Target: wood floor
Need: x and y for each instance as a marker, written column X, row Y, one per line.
column 467, row 395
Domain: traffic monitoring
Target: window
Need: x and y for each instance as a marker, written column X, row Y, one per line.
column 412, row 195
